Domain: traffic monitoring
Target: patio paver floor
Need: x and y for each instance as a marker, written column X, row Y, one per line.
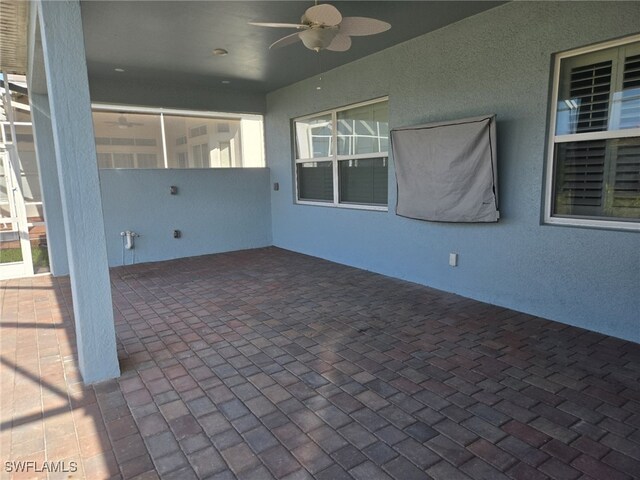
column 270, row 364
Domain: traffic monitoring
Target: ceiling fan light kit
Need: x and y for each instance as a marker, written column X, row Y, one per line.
column 318, row 38
column 322, row 27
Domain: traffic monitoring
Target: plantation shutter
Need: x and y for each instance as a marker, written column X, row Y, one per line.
column 581, row 176
column 600, row 177
column 626, row 181
column 626, row 184
column 581, row 165
column 630, row 110
column 590, row 87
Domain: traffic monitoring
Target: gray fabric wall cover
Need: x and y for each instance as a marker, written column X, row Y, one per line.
column 447, row 171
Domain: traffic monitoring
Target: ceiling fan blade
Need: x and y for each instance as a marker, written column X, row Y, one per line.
column 278, row 25
column 323, row 14
column 340, row 43
column 284, row 41
column 360, row 26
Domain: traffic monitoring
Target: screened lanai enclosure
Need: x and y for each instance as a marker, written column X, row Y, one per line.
column 23, row 239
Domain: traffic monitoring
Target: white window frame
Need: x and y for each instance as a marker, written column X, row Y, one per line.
column 110, row 107
column 334, row 158
column 555, row 139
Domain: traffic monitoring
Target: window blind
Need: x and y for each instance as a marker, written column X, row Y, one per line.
column 363, row 181
column 315, row 181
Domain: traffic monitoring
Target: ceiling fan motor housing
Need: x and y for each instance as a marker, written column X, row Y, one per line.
column 318, row 38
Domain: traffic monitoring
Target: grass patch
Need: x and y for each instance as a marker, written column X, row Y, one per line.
column 40, row 256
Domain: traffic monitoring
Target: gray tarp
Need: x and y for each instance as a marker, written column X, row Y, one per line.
column 447, row 171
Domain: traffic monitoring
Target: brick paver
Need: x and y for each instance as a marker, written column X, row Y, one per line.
column 270, row 364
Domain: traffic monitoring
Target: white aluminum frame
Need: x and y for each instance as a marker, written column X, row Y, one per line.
column 593, row 222
column 334, row 158
column 173, row 111
column 15, row 196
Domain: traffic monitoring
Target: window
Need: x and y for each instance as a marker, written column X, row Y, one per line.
column 123, row 160
column 594, row 179
column 147, row 160
column 182, row 159
column 137, row 137
column 201, row 155
column 341, row 156
column 225, row 154
column 198, row 131
column 104, row 160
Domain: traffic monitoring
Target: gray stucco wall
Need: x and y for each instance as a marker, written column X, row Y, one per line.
column 217, row 210
column 496, row 62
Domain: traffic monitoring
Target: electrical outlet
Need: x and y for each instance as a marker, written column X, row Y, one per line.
column 177, row 234
column 453, row 259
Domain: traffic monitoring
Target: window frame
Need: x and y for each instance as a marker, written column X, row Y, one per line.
column 553, row 139
column 335, row 159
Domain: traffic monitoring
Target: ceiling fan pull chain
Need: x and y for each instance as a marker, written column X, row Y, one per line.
column 319, row 87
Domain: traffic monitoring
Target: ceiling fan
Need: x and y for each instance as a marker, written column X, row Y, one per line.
column 322, row 27
column 122, row 122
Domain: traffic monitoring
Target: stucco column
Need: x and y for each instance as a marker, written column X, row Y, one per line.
column 65, row 69
column 49, row 184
